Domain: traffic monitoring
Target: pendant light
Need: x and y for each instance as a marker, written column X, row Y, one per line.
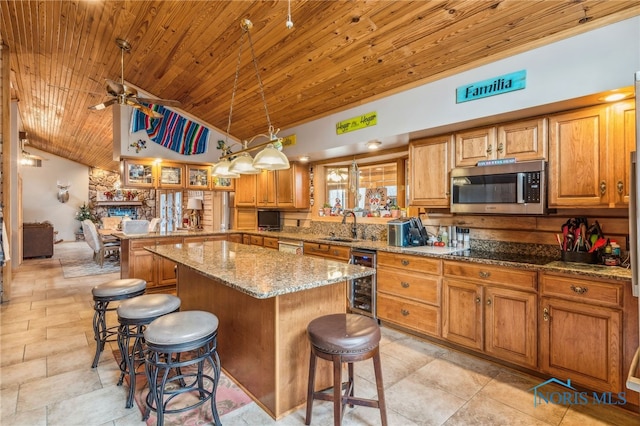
column 271, row 157
column 221, row 169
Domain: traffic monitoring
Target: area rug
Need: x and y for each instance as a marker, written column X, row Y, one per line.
column 84, row 266
column 229, row 397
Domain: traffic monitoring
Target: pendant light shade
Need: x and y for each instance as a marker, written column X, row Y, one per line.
column 221, row 169
column 243, row 164
column 271, row 159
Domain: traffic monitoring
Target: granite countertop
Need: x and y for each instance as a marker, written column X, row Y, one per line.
column 180, row 233
column 257, row 271
column 545, row 264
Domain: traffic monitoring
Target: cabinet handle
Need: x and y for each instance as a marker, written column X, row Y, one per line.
column 620, row 187
column 489, row 302
column 336, row 252
column 603, row 187
column 579, row 290
column 545, row 314
column 405, row 262
column 404, row 284
column 478, row 300
column 484, row 274
column 489, row 149
column 500, row 147
column 404, row 312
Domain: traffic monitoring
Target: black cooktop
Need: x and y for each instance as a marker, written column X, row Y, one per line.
column 507, row 257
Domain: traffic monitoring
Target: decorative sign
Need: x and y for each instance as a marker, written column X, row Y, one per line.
column 289, row 140
column 496, row 162
column 493, row 86
column 357, row 123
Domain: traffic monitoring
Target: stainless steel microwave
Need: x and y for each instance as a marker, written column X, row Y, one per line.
column 515, row 188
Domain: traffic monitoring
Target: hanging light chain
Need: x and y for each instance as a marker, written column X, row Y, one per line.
column 233, row 93
column 255, row 65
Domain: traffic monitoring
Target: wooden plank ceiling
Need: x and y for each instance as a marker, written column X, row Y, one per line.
column 338, row 54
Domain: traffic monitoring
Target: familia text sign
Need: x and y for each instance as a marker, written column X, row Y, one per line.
column 491, row 87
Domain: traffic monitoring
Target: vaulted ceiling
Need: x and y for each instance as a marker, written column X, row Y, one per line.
column 337, row 55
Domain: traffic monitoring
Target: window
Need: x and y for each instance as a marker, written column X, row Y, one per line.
column 369, row 187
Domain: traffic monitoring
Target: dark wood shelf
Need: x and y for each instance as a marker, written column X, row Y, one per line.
column 118, row 203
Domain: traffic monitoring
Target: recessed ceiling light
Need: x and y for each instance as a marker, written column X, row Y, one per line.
column 374, row 144
column 615, row 97
column 304, row 158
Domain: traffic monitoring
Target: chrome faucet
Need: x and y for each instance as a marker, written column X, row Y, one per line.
column 354, row 229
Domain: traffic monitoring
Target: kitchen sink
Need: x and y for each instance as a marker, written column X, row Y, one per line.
column 341, row 239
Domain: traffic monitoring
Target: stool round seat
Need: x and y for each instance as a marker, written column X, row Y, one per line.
column 120, row 287
column 344, row 338
column 185, row 342
column 181, row 328
column 103, row 294
column 344, row 334
column 147, row 306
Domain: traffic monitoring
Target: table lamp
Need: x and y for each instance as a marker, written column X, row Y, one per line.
column 195, row 205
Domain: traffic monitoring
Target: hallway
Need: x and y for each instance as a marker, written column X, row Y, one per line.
column 47, row 347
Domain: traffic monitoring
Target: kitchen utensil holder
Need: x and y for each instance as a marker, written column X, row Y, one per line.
column 580, row 257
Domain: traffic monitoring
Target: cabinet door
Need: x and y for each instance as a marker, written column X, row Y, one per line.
column 142, row 266
column 623, row 143
column 581, row 342
column 171, row 175
column 293, row 187
column 166, row 271
column 429, row 167
column 138, row 174
column 245, row 191
column 462, row 320
column 198, row 177
column 285, row 188
column 235, row 238
column 511, row 326
column 578, row 168
column 266, row 189
column 475, row 145
column 246, row 219
column 523, row 140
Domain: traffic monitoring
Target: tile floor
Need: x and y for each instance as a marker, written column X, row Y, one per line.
column 47, row 347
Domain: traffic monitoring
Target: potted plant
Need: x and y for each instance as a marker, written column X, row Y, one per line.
column 84, row 212
column 326, row 208
column 395, row 211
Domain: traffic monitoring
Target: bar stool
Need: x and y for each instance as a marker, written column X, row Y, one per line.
column 103, row 294
column 176, row 341
column 133, row 316
column 341, row 338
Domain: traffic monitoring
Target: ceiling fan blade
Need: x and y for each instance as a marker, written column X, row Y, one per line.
column 164, row 102
column 103, row 105
column 151, row 113
column 114, row 88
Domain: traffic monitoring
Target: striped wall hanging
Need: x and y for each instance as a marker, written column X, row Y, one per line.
column 172, row 131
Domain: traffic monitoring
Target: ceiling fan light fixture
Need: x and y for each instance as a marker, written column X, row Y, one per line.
column 243, row 164
column 271, row 159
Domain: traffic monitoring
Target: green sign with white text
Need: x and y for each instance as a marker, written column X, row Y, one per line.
column 356, row 123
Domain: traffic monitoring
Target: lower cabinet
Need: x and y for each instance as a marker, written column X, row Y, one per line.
column 335, row 252
column 235, row 238
column 408, row 293
column 491, row 309
column 581, row 334
column 158, row 272
column 270, row 242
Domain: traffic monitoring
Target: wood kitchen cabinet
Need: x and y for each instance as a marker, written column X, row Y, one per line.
column 270, row 242
column 581, row 330
column 524, row 140
column 284, row 189
column 430, row 164
column 205, row 238
column 588, row 159
column 266, row 189
column 138, row 174
column 171, row 175
column 245, row 195
column 235, row 238
column 409, row 291
column 491, row 309
column 328, row 251
column 136, row 262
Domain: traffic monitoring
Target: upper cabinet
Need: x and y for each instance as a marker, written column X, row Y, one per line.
column 171, row 175
column 589, row 153
column 283, row 189
column 523, row 140
column 138, row 174
column 245, row 191
column 429, row 165
column 198, row 177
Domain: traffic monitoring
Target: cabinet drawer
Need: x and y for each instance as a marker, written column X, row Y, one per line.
column 138, row 244
column 420, row 287
column 328, row 251
column 271, row 242
column 586, row 290
column 412, row 263
column 256, row 241
column 409, row 314
column 491, row 274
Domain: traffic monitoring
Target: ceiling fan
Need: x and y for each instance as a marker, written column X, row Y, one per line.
column 123, row 94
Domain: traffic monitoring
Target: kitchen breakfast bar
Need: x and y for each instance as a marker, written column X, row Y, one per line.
column 264, row 300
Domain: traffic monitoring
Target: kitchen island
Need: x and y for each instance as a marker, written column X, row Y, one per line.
column 264, row 300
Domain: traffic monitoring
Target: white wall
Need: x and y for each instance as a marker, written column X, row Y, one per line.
column 39, row 193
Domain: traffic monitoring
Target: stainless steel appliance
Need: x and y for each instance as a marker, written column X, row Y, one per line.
column 362, row 291
column 398, row 232
column 633, row 377
column 514, row 188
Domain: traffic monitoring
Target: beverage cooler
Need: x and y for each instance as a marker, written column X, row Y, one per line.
column 362, row 291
